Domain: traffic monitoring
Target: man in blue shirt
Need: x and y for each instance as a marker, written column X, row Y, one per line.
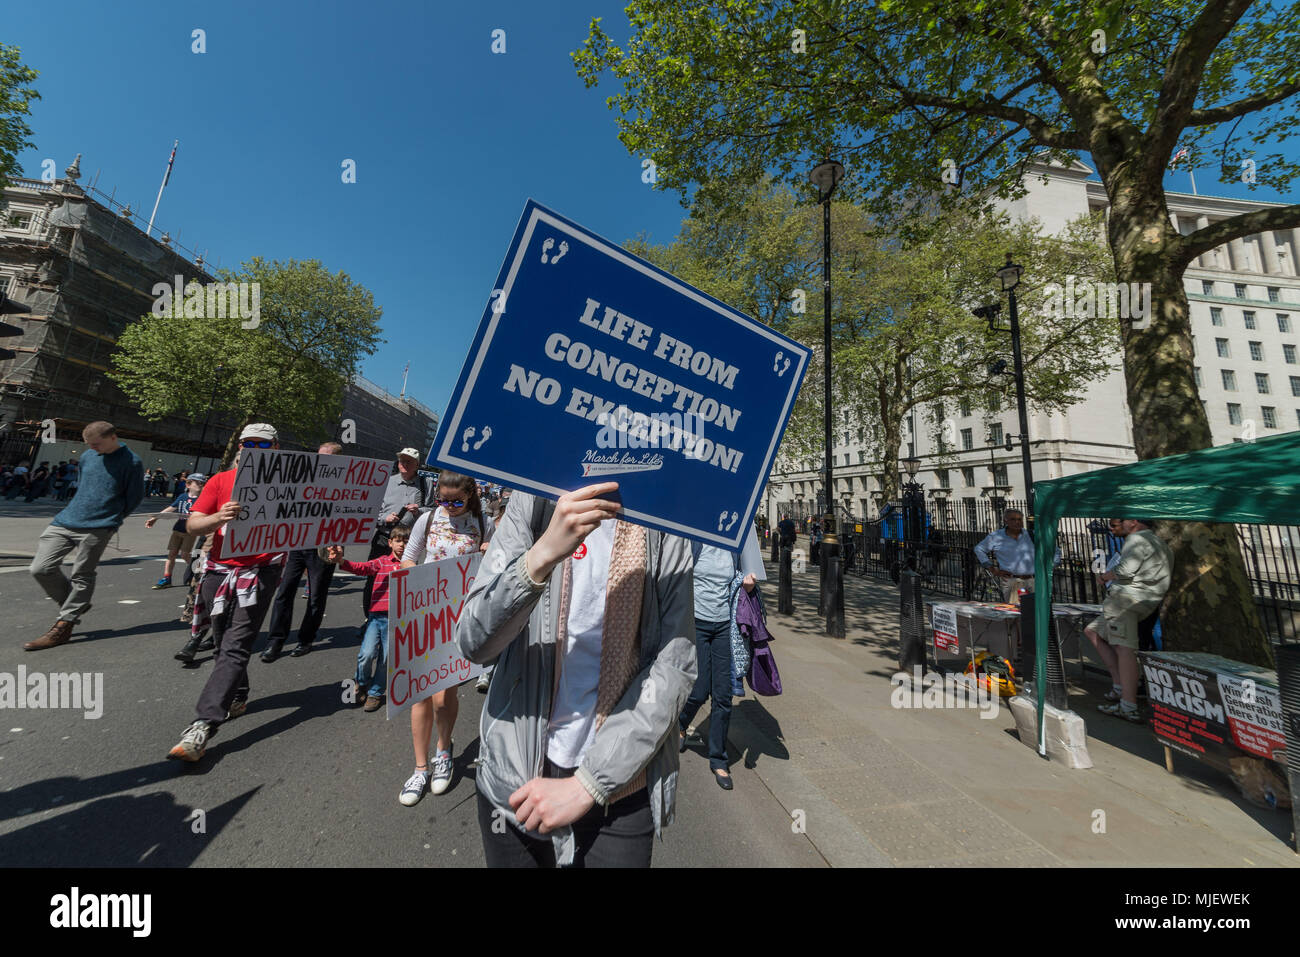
column 1012, row 549
column 109, row 488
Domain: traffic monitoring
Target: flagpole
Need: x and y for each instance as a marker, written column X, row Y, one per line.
column 1193, row 178
column 166, row 176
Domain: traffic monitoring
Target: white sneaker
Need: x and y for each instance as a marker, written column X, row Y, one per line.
column 414, row 787
column 482, row 685
column 441, row 771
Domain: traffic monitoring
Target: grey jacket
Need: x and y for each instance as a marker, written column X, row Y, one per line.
column 504, row 616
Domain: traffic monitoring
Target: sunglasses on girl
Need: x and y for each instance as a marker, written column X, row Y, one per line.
column 256, row 443
column 447, row 503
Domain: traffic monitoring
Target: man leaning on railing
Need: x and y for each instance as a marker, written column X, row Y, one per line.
column 1008, row 554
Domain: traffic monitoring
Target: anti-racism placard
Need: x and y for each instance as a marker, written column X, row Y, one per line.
column 424, row 604
column 593, row 365
column 294, row 500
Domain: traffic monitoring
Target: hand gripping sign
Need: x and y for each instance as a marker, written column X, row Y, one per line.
column 592, row 365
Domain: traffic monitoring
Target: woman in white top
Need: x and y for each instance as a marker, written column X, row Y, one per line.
column 455, row 527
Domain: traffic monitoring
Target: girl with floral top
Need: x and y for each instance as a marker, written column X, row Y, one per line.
column 455, row 527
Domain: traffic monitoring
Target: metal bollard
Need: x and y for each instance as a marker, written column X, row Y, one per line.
column 776, row 548
column 834, row 594
column 911, row 623
column 785, row 589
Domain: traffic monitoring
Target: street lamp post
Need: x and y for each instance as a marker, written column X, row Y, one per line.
column 1010, row 278
column 826, row 176
column 203, row 436
column 913, row 502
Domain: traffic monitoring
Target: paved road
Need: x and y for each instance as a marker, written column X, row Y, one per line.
column 301, row 780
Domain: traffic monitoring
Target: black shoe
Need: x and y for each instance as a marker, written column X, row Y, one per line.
column 272, row 651
column 208, row 643
column 300, row 651
column 187, row 653
column 724, row 781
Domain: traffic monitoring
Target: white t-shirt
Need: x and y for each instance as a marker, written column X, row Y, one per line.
column 573, row 715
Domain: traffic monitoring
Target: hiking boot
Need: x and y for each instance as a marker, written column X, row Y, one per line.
column 193, row 742
column 57, row 635
column 187, row 653
column 208, row 643
column 374, row 702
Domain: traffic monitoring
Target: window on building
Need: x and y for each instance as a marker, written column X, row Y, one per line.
column 1000, row 475
column 1288, row 353
column 965, row 406
column 967, row 439
column 1240, row 289
column 968, row 477
column 1270, row 416
column 944, row 480
column 1216, row 316
column 1283, row 322
column 1197, row 372
column 21, row 221
column 995, row 433
column 1257, row 351
column 911, row 450
column 1249, row 318
column 1261, row 383
column 1229, row 380
column 994, row 403
column 847, row 459
column 861, row 434
column 1274, row 294
column 1222, row 346
column 1295, row 385
column 1234, row 413
column 1207, row 287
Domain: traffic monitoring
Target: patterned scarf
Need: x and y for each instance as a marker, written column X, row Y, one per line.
column 620, row 643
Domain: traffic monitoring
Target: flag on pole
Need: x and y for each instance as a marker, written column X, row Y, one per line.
column 1182, row 154
column 170, row 160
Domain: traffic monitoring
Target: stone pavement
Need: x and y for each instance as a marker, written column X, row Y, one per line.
column 880, row 786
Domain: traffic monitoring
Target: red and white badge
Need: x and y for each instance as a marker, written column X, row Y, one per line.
column 580, row 552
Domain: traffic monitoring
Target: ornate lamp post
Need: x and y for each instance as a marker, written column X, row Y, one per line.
column 826, row 176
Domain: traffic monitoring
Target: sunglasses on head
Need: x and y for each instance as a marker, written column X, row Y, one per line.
column 449, row 503
column 256, row 443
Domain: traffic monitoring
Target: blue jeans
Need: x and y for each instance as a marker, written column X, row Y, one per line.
column 713, row 654
column 374, row 648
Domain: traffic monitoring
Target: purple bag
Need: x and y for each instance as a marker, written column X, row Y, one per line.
column 763, row 676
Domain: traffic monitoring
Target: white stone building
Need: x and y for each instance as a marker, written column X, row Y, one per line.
column 1245, row 317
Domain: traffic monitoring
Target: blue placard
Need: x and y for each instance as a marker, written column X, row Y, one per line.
column 592, row 365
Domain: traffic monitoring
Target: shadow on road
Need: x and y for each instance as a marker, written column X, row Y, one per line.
column 151, row 830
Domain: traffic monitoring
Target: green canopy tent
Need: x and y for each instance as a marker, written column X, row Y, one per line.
column 1245, row 483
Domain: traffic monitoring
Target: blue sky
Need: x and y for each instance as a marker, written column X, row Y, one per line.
column 449, row 141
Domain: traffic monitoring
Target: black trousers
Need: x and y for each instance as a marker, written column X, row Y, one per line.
column 621, row 835
column 319, row 575
column 234, row 631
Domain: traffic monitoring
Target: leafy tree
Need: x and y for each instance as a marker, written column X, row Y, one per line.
column 16, row 95
column 902, row 332
column 904, row 90
column 288, row 368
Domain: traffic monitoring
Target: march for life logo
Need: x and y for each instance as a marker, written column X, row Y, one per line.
column 590, row 364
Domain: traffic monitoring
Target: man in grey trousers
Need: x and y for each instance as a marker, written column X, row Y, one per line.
column 109, row 490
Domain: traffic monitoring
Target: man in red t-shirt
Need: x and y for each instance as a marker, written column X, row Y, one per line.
column 237, row 592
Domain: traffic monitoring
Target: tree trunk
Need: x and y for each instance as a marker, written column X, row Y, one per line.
column 891, row 428
column 1210, row 606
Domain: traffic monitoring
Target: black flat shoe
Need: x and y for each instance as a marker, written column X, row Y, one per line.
column 300, row 651
column 272, row 651
column 187, row 653
column 724, row 781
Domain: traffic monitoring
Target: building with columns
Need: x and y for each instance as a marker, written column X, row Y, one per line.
column 1245, row 318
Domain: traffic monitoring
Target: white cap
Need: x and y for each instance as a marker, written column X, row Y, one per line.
column 410, row 454
column 259, row 430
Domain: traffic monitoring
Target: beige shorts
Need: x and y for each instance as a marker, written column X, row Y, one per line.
column 183, row 544
column 1121, row 631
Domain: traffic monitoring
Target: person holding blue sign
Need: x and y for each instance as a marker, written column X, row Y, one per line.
column 591, row 620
